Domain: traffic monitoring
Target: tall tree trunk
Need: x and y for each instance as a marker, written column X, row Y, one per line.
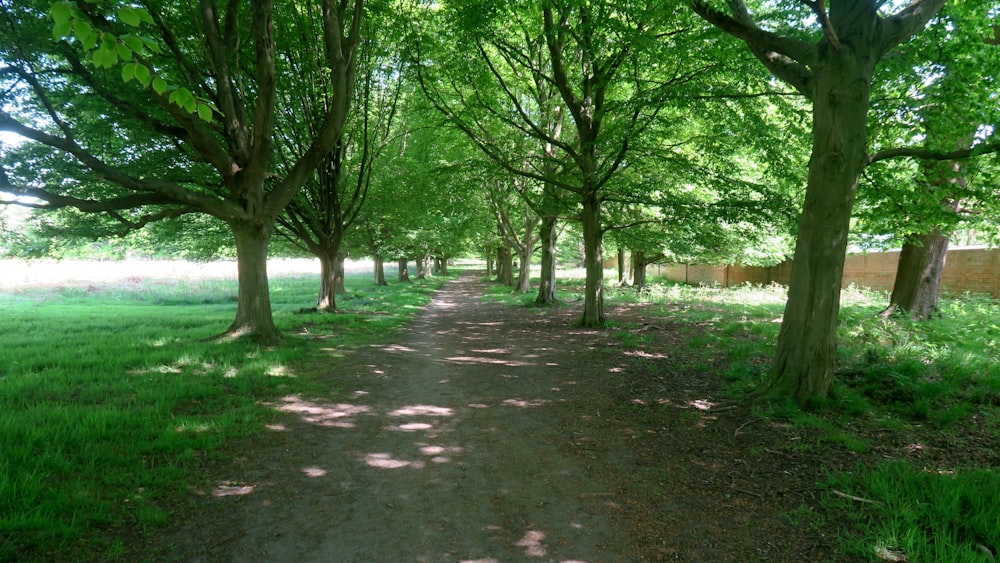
column 505, row 266
column 639, row 270
column 593, row 261
column 327, row 300
column 918, row 275
column 622, row 268
column 547, row 280
column 489, row 264
column 501, row 251
column 807, row 348
column 404, row 270
column 523, row 284
column 253, row 304
column 921, row 261
column 379, row 270
column 442, row 265
column 340, row 273
column 421, row 262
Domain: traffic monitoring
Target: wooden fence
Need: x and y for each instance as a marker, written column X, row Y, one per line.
column 975, row 270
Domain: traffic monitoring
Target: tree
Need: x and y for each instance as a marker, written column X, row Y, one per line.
column 949, row 93
column 197, row 112
column 366, row 97
column 835, row 71
column 607, row 73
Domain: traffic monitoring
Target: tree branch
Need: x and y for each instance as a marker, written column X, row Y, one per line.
column 927, row 154
column 789, row 59
column 899, row 27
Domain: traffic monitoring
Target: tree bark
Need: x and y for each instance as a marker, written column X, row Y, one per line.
column 593, row 261
column 421, row 262
column 547, row 281
column 918, row 276
column 836, row 75
column 404, row 270
column 326, row 301
column 523, row 284
column 807, row 349
column 379, row 270
column 639, row 270
column 505, row 265
column 253, row 304
column 622, row 268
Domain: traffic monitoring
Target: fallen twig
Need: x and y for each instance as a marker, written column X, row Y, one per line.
column 748, row 492
column 852, row 497
column 737, row 433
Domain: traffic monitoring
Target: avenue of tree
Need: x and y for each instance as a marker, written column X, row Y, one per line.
column 708, row 130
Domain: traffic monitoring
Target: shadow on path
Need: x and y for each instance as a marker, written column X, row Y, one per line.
column 444, row 448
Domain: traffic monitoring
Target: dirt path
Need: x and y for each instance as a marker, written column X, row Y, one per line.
column 446, row 449
column 491, row 433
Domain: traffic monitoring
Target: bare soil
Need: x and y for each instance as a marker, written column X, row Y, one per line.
column 491, row 433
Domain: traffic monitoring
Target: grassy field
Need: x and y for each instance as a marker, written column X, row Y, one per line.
column 113, row 396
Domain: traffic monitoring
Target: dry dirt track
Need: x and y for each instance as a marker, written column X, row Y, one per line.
column 446, row 447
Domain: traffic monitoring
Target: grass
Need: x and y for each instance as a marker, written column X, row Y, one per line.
column 112, row 397
column 940, row 377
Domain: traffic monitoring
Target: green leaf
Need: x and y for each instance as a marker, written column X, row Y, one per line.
column 105, row 58
column 61, row 13
column 205, row 112
column 124, row 53
column 143, row 15
column 136, row 44
column 183, row 97
column 151, row 45
column 142, row 74
column 61, row 30
column 128, row 16
column 128, row 72
column 159, row 85
column 86, row 34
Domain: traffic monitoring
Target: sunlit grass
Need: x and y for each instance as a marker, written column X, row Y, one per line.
column 113, row 395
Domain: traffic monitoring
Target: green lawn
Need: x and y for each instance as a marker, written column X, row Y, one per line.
column 112, row 396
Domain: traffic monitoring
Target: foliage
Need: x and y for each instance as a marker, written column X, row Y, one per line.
column 923, row 514
column 937, row 90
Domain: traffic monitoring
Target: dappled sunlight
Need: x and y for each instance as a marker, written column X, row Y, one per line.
column 441, row 454
column 276, row 427
column 532, row 543
column 484, row 360
column 422, row 410
column 397, row 348
column 702, row 404
column 233, row 490
column 644, row 354
column 521, row 403
column 386, row 461
column 189, row 426
column 411, row 427
column 336, row 415
column 314, row 472
column 279, row 371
